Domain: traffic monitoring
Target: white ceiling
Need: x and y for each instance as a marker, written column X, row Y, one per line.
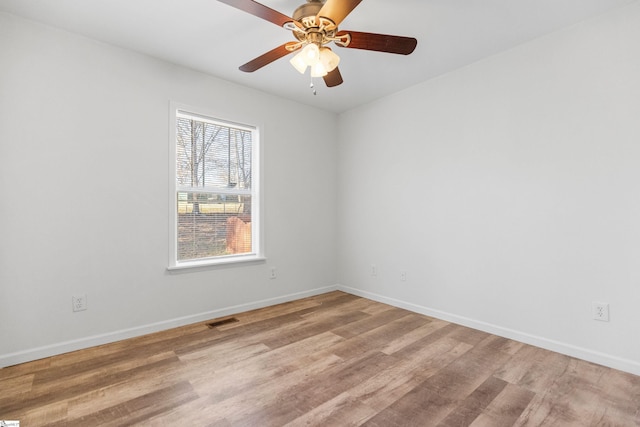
column 215, row 38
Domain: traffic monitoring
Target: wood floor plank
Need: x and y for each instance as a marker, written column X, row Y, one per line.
column 197, row 413
column 18, row 385
column 438, row 396
column 391, row 384
column 316, row 389
column 468, row 335
column 505, row 409
column 461, row 377
column 65, row 388
column 29, row 368
column 221, row 406
column 223, row 353
column 341, row 378
column 471, row 407
column 376, row 337
column 299, row 307
column 282, row 328
column 245, row 375
column 582, row 396
column 313, row 326
column 534, row 368
column 374, row 307
column 122, row 350
column 431, row 337
column 341, row 411
column 133, row 387
column 330, row 360
column 419, row 407
column 370, row 322
column 40, row 415
column 399, row 342
column 134, row 410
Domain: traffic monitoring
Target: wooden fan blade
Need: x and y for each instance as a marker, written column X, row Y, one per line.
column 261, row 11
column 267, row 58
column 380, row 42
column 337, row 10
column 334, row 78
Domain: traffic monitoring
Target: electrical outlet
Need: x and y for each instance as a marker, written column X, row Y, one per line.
column 374, row 270
column 272, row 273
column 79, row 302
column 403, row 276
column 600, row 311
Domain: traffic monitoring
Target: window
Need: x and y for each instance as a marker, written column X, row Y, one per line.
column 215, row 203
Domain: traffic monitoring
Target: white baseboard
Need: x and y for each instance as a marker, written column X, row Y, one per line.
column 86, row 342
column 608, row 360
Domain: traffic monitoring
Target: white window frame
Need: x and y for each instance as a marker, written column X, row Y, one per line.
column 256, row 199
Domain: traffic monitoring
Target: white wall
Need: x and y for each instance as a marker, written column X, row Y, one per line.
column 509, row 191
column 84, row 141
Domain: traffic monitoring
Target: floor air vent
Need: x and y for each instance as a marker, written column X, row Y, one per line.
column 222, row 322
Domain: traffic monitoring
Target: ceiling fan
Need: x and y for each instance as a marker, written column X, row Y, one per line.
column 314, row 25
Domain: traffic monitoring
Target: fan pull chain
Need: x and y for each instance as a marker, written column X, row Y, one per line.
column 313, row 88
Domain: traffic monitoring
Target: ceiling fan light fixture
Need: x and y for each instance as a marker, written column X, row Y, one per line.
column 329, row 59
column 311, row 54
column 318, row 70
column 299, row 63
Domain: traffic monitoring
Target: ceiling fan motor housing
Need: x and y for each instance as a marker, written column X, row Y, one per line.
column 319, row 31
column 308, row 11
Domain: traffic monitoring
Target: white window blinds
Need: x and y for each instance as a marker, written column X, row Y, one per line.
column 214, row 189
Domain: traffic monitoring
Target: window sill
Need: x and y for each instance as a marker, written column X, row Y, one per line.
column 212, row 263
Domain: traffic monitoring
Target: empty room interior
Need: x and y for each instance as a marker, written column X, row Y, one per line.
column 444, row 234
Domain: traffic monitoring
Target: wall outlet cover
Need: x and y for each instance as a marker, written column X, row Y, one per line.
column 79, row 302
column 600, row 311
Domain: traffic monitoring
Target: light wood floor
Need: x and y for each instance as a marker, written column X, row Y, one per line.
column 331, row 360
